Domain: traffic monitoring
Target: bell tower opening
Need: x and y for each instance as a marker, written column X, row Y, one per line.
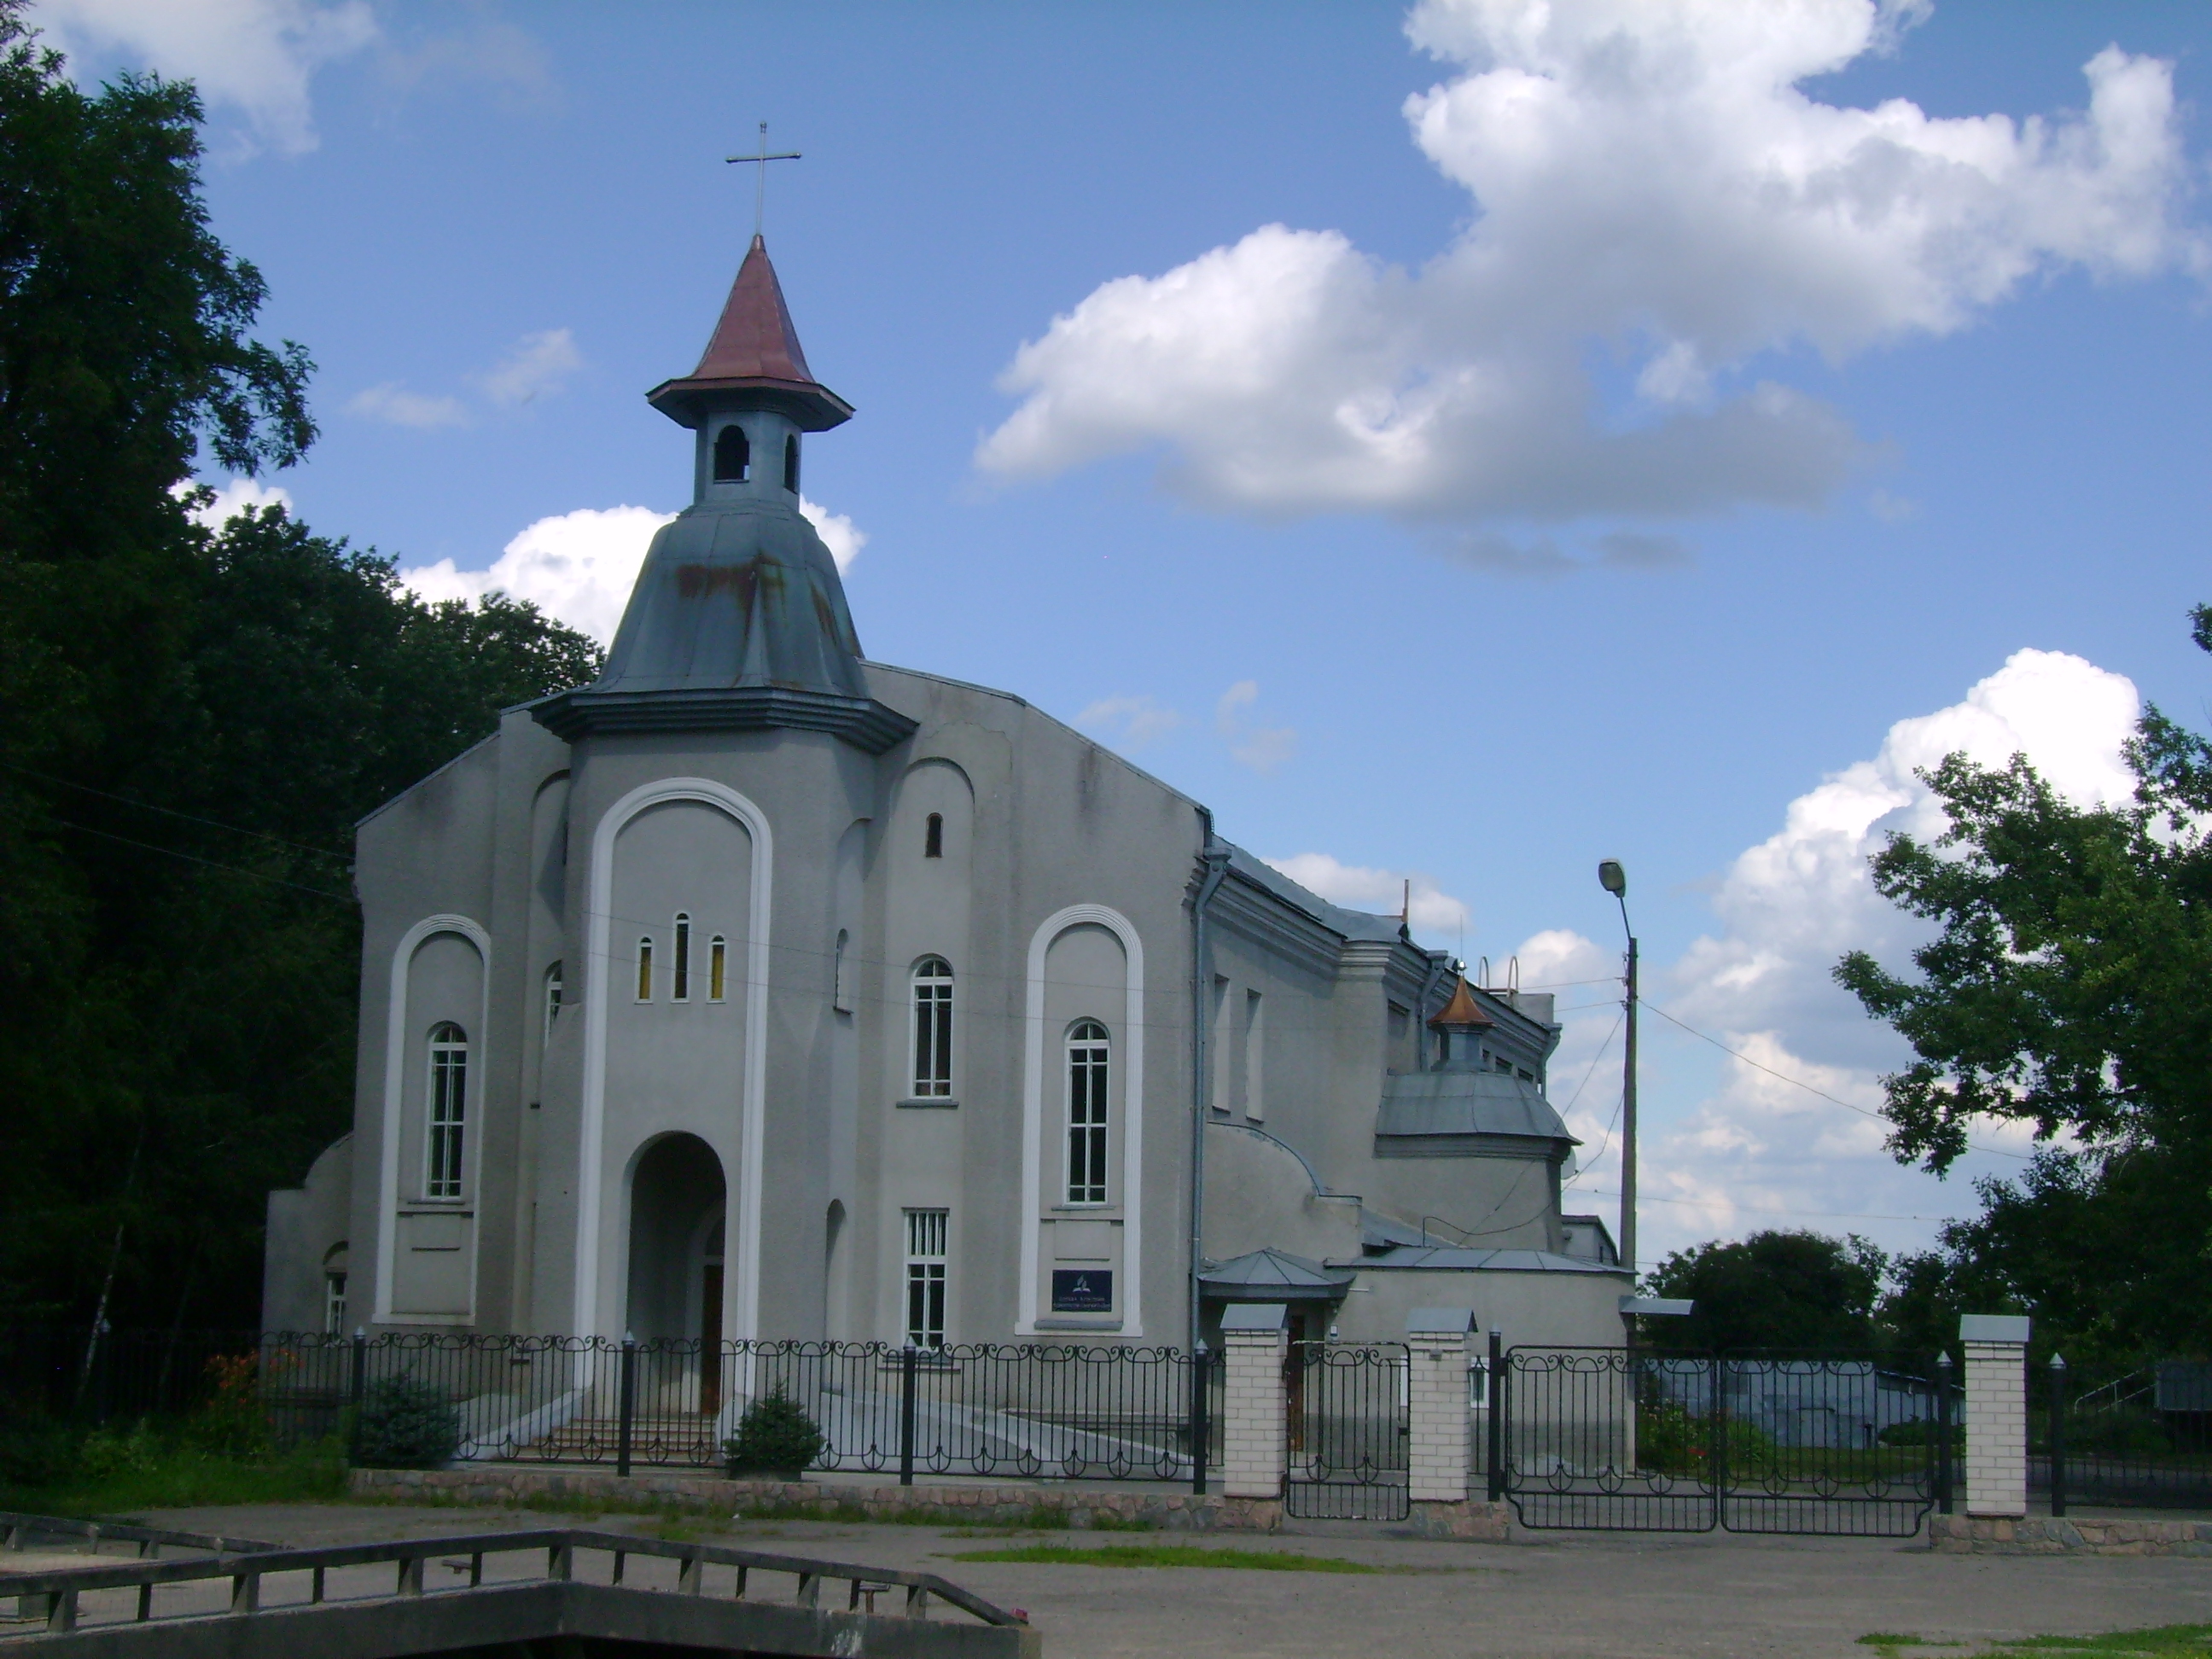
column 791, row 463
column 733, row 455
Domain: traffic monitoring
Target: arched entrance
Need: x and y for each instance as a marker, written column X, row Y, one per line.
column 677, row 1203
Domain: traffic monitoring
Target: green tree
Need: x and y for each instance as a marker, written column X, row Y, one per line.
column 193, row 720
column 2065, row 988
column 1778, row 1290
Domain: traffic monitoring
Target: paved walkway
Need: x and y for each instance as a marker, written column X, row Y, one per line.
column 1619, row 1595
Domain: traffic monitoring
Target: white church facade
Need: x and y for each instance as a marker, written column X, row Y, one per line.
column 759, row 990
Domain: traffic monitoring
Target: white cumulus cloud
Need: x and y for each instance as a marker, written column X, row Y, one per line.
column 232, row 497
column 579, row 567
column 395, row 405
column 1760, row 1150
column 1652, row 182
column 1130, row 723
column 1265, row 748
column 536, row 366
column 257, row 56
column 1356, row 887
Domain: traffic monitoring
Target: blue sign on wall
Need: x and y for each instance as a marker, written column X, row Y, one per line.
column 1082, row 1289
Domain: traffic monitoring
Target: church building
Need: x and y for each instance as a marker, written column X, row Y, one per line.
column 761, row 990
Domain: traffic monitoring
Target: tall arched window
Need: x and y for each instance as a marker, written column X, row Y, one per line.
column 733, row 455
column 1088, row 1055
column 680, row 977
column 645, row 969
column 791, row 463
column 449, row 1109
column 718, row 968
column 933, row 1029
column 552, row 1001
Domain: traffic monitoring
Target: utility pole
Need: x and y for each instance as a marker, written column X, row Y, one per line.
column 1614, row 880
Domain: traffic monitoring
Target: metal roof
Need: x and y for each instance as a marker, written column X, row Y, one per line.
column 1438, row 1258
column 1466, row 1102
column 1275, row 1274
column 753, row 353
column 1462, row 1011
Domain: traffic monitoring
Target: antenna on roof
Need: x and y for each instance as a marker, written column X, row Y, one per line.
column 1406, row 903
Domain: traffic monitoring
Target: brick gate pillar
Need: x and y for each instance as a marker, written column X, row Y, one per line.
column 1997, row 1412
column 1437, row 1404
column 1253, row 1343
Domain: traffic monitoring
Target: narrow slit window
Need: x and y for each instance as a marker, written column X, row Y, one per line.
column 718, row 968
column 680, row 967
column 933, row 1029
column 449, row 1110
column 733, row 455
column 926, row 1233
column 552, row 1000
column 791, row 463
column 645, row 969
column 841, row 983
column 1089, row 1058
column 932, row 840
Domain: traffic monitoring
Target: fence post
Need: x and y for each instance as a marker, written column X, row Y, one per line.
column 1201, row 1427
column 1943, row 1433
column 1253, row 1452
column 1997, row 1412
column 908, row 1357
column 1717, row 1458
column 2057, row 1435
column 357, row 1391
column 626, row 1404
column 1496, row 1395
column 1437, row 1405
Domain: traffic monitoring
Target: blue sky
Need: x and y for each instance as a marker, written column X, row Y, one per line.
column 1610, row 448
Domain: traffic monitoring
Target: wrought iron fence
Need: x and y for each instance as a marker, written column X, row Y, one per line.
column 1345, row 1418
column 1621, row 1439
column 2141, row 1439
column 1037, row 1411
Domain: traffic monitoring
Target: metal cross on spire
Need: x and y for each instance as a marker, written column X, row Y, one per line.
column 760, row 179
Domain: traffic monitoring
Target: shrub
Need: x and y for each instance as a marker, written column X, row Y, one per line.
column 1673, row 1440
column 405, row 1424
column 774, row 1436
column 1920, row 1431
column 36, row 1451
column 233, row 1423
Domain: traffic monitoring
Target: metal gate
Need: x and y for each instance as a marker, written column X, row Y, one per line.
column 1622, row 1440
column 1345, row 1417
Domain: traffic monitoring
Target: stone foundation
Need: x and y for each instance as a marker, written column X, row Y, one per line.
column 1973, row 1535
column 1163, row 1509
column 1478, row 1521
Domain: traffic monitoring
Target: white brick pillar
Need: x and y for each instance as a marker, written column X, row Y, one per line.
column 1997, row 1412
column 1253, row 1345
column 1437, row 1404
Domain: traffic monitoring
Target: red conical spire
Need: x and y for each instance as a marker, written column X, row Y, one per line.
column 1463, row 1012
column 755, row 354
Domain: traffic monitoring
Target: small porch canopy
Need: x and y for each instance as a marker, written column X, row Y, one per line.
column 1274, row 1275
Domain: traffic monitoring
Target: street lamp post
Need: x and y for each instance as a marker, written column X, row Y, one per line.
column 1614, row 880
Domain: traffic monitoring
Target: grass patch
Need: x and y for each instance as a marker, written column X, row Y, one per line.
column 2159, row 1642
column 180, row 1478
column 1165, row 1555
column 2164, row 1641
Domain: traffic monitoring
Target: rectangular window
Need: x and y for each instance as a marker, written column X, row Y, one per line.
column 681, row 977
column 925, row 1278
column 1088, row 1059
column 334, row 1304
column 645, row 970
column 1255, row 1098
column 718, row 968
column 1221, row 1090
column 449, row 1108
column 933, row 1030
